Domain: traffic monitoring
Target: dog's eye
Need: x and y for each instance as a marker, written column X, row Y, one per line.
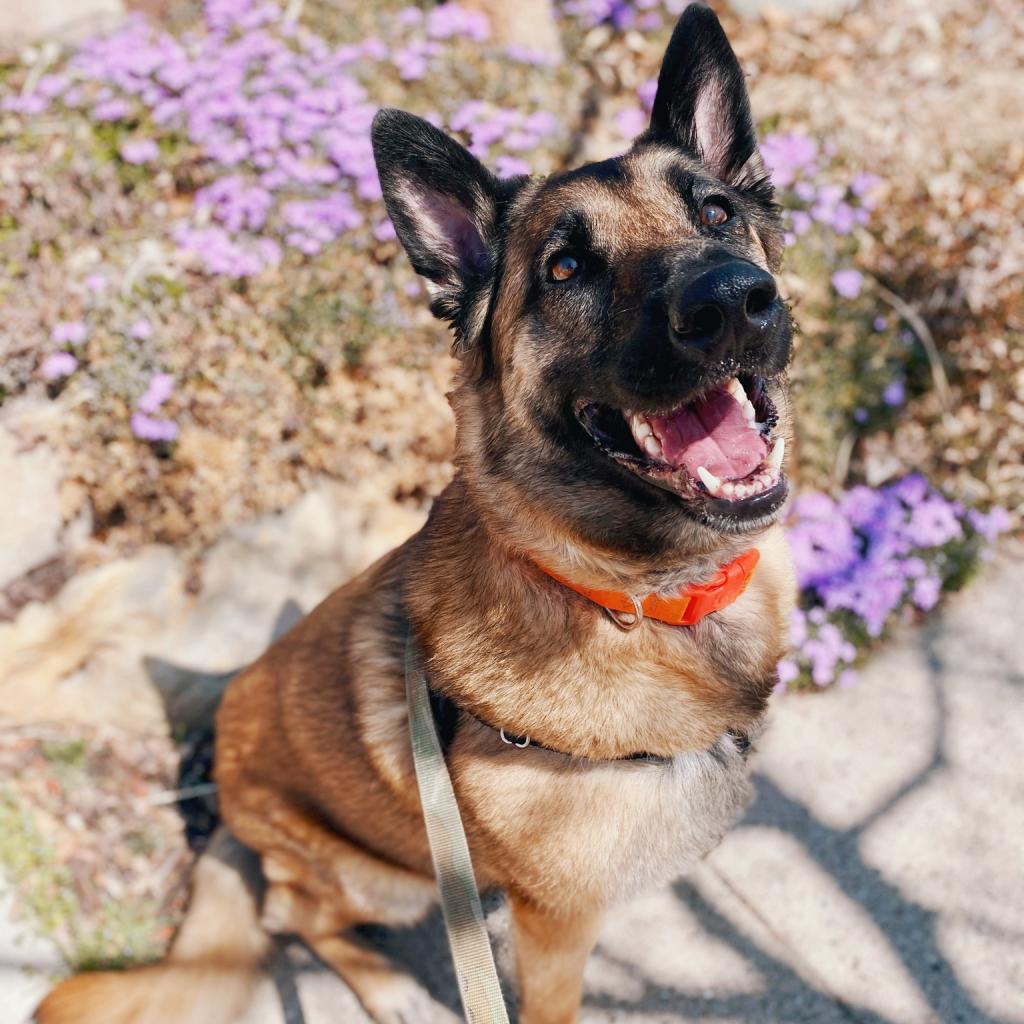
column 713, row 214
column 563, row 267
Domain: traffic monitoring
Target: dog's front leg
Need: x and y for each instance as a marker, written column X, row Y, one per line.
column 551, row 950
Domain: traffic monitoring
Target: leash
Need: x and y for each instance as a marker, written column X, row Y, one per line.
column 482, row 1001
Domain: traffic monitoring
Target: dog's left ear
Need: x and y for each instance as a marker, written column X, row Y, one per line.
column 443, row 203
column 701, row 103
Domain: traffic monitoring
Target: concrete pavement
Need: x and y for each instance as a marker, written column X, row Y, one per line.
column 877, row 879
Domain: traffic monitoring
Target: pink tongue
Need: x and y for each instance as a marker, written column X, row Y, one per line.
column 714, row 434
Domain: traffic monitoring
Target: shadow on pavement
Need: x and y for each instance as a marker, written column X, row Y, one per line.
column 909, row 927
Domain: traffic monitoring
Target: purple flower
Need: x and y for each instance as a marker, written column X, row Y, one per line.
column 221, row 254
column 373, row 49
column 789, row 157
column 842, row 219
column 447, row 20
column 800, row 221
column 511, row 166
column 315, row 222
column 116, row 109
column 989, row 525
column 384, row 230
column 150, row 428
column 236, row 203
column 527, row 55
column 880, row 323
column 822, row 542
column 69, row 332
column 788, row 671
column 869, row 555
column 894, row 394
column 863, row 183
column 925, row 592
column 161, row 385
column 911, row 489
column 141, row 329
column 139, row 151
column 646, row 92
column 631, row 122
column 848, row 283
column 933, row 523
column 52, row 86
column 58, row 365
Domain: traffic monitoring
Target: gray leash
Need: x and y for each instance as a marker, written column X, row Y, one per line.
column 482, row 1000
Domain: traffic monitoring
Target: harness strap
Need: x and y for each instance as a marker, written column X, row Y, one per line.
column 482, row 1001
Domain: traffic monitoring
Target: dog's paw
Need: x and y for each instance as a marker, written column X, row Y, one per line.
column 400, row 999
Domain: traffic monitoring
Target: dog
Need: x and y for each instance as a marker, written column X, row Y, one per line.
column 621, row 412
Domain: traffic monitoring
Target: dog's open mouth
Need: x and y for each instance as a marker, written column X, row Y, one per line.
column 718, row 447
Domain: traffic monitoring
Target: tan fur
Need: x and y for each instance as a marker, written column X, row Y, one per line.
column 313, row 755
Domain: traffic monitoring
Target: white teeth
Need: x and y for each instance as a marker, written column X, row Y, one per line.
column 735, row 388
column 774, row 460
column 728, row 489
column 709, row 480
column 641, row 428
column 652, row 446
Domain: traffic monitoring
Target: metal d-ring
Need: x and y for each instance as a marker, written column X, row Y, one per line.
column 515, row 741
column 626, row 620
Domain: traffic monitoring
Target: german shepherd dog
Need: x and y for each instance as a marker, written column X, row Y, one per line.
column 621, row 413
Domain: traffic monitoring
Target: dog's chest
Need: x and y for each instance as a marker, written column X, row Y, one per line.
column 568, row 832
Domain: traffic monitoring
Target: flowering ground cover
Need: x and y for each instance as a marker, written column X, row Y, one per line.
column 200, row 276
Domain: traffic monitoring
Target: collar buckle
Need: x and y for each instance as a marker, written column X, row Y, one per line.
column 722, row 589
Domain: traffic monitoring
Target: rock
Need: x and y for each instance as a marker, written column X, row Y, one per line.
column 30, row 525
column 80, row 656
column 301, row 555
column 26, row 20
column 26, row 963
column 820, row 8
column 129, row 645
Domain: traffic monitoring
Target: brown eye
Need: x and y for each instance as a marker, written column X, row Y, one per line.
column 563, row 267
column 713, row 214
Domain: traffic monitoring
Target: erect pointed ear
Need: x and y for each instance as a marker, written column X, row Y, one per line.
column 443, row 203
column 701, row 103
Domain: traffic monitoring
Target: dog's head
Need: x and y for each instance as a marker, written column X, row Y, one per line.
column 622, row 335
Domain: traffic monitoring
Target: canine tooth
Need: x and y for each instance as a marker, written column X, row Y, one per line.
column 640, row 427
column 709, row 480
column 774, row 460
column 735, row 388
column 748, row 411
column 652, row 446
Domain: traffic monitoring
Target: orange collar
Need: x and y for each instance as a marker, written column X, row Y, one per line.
column 690, row 605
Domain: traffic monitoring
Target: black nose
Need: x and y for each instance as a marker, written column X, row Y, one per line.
column 723, row 310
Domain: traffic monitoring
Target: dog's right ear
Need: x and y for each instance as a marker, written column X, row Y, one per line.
column 443, row 203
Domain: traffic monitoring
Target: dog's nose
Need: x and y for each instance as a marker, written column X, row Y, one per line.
column 723, row 311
